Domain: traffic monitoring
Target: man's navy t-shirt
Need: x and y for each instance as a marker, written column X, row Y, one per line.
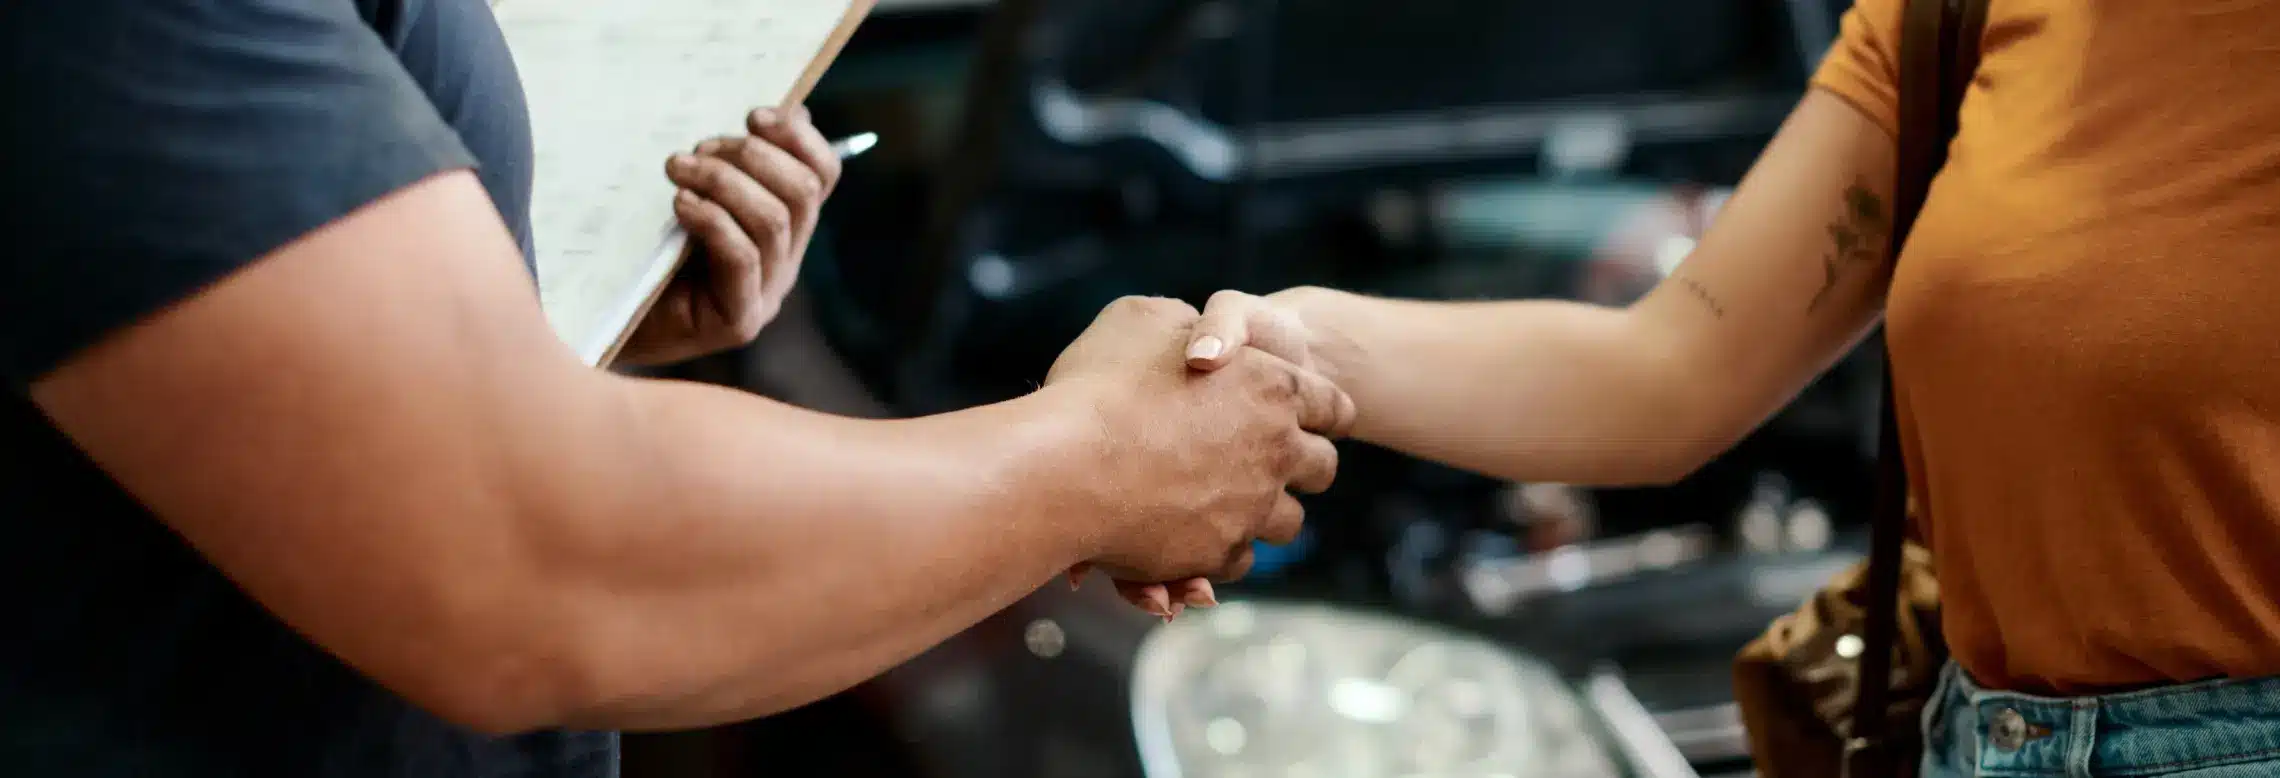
column 149, row 148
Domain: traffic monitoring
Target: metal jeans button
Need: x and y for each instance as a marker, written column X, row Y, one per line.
column 2008, row 731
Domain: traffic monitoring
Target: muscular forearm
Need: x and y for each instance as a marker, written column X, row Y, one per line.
column 730, row 557
column 1531, row 390
column 376, row 436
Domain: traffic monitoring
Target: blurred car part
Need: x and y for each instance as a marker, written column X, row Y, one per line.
column 1274, row 688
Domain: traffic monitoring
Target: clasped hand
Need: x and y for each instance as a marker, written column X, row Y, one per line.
column 1224, row 413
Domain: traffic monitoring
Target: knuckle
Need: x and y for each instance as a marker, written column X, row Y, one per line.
column 1276, row 385
column 1169, row 307
column 1231, row 534
column 1343, row 424
column 1289, row 453
column 807, row 187
column 717, row 175
column 715, row 223
column 731, row 245
column 830, row 172
column 774, row 218
column 748, row 153
column 1228, row 299
column 1136, row 305
column 1282, row 317
column 1257, row 380
column 1292, row 521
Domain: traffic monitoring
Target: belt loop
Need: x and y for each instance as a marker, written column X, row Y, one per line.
column 2082, row 737
column 1937, row 708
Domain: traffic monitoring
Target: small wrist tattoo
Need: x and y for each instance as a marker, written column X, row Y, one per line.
column 1699, row 292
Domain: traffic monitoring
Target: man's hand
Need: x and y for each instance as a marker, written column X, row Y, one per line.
column 750, row 203
column 1201, row 463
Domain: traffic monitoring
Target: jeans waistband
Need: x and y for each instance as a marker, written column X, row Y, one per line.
column 2154, row 731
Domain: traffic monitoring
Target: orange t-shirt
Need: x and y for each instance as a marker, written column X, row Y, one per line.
column 2086, row 339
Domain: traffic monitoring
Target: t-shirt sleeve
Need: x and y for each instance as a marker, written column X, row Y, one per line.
column 1863, row 66
column 149, row 148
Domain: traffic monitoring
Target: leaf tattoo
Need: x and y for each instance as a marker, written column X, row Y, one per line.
column 1857, row 238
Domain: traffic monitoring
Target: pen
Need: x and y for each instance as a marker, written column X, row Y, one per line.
column 853, row 145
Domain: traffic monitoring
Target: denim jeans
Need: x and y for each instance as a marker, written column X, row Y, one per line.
column 2214, row 729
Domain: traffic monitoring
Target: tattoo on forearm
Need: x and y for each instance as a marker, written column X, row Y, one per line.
column 1702, row 293
column 1856, row 239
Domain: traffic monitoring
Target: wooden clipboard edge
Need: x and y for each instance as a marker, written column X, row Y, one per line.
column 857, row 11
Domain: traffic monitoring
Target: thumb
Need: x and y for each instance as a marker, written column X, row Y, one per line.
column 1223, row 330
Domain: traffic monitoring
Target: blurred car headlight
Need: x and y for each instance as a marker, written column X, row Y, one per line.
column 1267, row 690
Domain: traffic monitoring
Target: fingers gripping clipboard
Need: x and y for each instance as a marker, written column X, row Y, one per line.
column 615, row 87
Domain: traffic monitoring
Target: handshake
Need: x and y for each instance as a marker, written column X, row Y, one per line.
column 1208, row 422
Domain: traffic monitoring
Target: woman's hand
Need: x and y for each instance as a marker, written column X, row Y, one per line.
column 1273, row 324
column 750, row 202
column 1231, row 321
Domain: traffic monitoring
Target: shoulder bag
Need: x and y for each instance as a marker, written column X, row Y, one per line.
column 1839, row 687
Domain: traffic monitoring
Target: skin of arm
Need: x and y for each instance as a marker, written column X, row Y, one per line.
column 375, row 434
column 1787, row 279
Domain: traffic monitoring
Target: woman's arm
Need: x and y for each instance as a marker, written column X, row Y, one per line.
column 1790, row 275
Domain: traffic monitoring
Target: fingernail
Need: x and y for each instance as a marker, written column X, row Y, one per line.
column 681, row 162
column 709, row 146
column 1206, row 347
column 764, row 116
column 684, row 197
column 1201, row 599
column 1160, row 604
column 1176, row 610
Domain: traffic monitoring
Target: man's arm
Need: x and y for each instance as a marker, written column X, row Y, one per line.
column 1790, row 275
column 374, row 433
column 253, row 281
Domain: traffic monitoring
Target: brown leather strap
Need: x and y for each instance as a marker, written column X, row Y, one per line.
column 1939, row 52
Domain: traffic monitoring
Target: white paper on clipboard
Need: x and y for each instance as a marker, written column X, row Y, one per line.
column 614, row 88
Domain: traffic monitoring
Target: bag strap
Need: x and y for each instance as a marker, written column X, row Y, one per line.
column 1939, row 52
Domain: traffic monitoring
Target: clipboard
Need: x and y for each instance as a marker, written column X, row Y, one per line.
column 614, row 88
